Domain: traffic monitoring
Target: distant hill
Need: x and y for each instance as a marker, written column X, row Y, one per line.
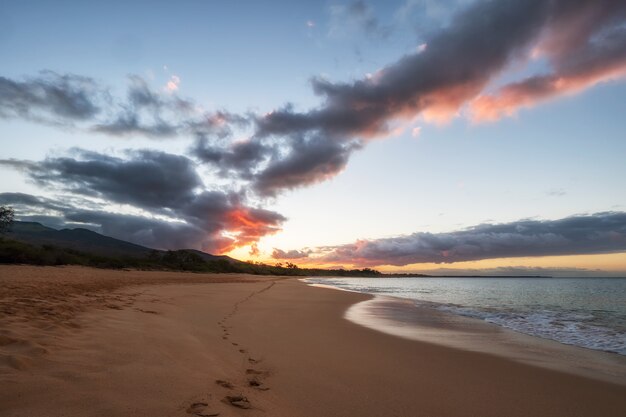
column 35, row 244
column 88, row 241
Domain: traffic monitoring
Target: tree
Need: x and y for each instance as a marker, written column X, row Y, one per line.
column 6, row 218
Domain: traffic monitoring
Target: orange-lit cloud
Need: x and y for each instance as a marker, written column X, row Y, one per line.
column 171, row 208
column 584, row 67
column 245, row 226
column 583, row 43
column 532, row 91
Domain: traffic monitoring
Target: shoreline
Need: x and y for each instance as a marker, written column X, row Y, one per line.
column 183, row 348
column 401, row 317
column 587, row 327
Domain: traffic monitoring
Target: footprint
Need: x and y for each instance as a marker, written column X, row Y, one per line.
column 255, row 383
column 238, row 401
column 254, row 372
column 197, row 409
column 224, row 384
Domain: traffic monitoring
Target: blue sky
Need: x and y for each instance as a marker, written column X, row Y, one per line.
column 556, row 158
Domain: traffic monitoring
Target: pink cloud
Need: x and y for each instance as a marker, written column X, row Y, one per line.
column 173, row 83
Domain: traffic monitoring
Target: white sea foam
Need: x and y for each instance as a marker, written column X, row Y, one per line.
column 589, row 313
column 565, row 327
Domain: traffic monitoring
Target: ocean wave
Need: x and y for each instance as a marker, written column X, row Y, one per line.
column 571, row 328
column 580, row 320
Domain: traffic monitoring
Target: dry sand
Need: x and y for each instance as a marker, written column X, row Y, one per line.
column 83, row 342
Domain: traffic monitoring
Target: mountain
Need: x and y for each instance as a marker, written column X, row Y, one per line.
column 35, row 244
column 87, row 241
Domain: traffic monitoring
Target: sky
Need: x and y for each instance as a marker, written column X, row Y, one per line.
column 457, row 136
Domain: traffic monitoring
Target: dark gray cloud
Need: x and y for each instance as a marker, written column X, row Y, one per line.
column 51, row 98
column 177, row 209
column 584, row 43
column 585, row 234
column 241, row 159
column 271, row 166
column 309, row 160
column 26, row 200
column 146, row 113
column 200, row 225
column 147, row 179
column 129, row 123
column 141, row 230
column 291, row 149
column 458, row 63
column 82, row 102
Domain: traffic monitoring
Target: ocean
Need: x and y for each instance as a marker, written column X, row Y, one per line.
column 585, row 312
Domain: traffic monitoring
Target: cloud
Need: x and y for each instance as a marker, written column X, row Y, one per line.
column 583, row 43
column 177, row 210
column 146, row 112
column 173, row 83
column 455, row 67
column 82, row 102
column 459, row 63
column 51, row 98
column 292, row 254
column 290, row 149
column 556, row 192
column 579, row 62
column 146, row 178
column 521, row 271
column 584, row 234
column 309, row 160
column 272, row 165
column 428, row 15
column 437, row 82
column 239, row 159
column 352, row 18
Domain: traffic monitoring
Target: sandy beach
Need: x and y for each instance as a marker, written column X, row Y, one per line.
column 84, row 342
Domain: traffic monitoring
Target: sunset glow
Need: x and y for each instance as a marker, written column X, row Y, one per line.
column 313, row 208
column 344, row 137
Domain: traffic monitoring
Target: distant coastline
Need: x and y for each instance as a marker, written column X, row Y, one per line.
column 492, row 276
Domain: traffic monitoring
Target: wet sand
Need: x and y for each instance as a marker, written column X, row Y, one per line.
column 403, row 318
column 84, row 342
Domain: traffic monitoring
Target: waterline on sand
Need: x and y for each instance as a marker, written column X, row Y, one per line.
column 425, row 322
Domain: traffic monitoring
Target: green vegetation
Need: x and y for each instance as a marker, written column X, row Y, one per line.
column 16, row 252
column 6, row 218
